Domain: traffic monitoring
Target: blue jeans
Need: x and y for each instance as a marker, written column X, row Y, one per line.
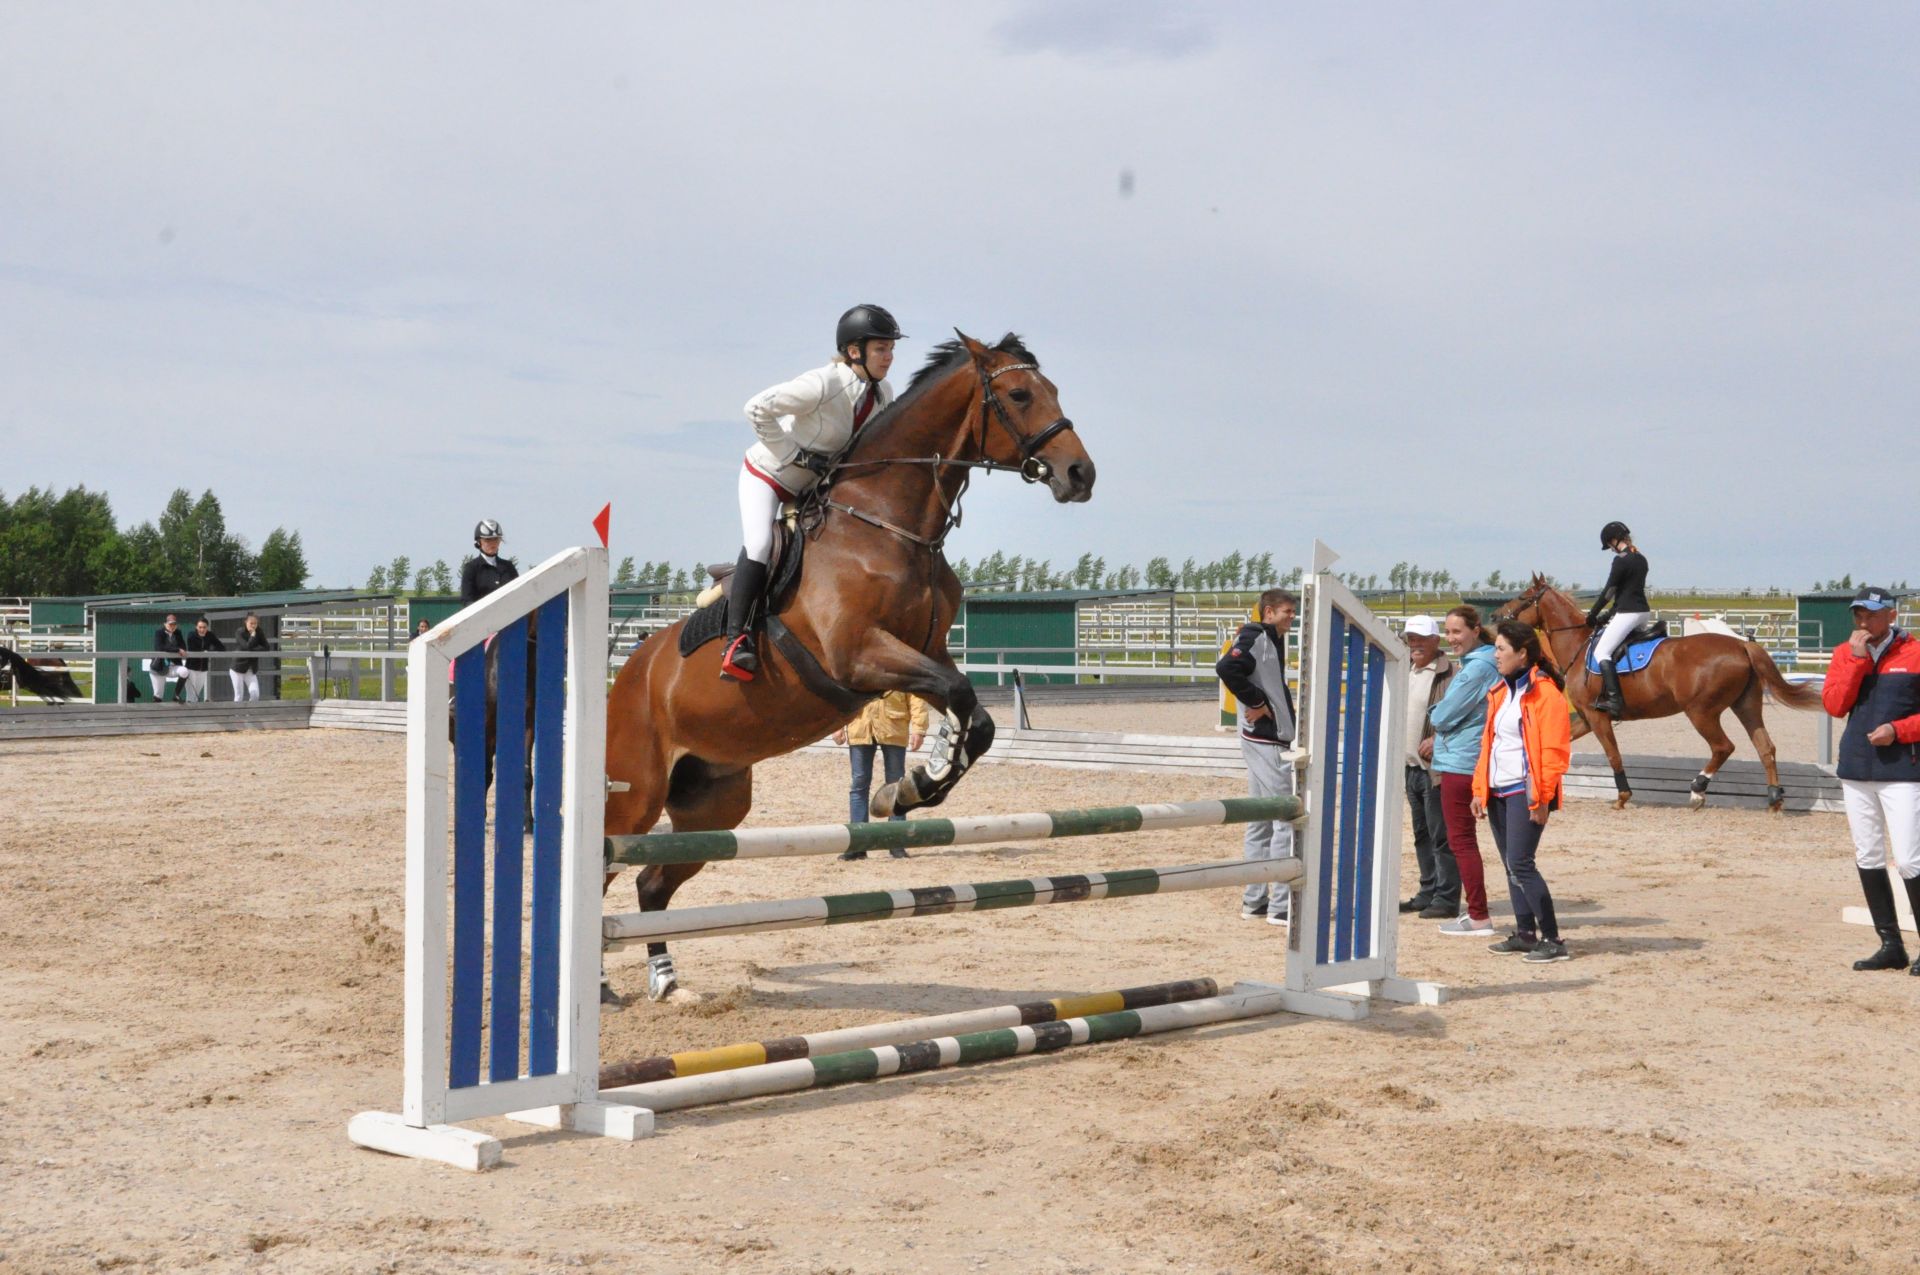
column 893, row 758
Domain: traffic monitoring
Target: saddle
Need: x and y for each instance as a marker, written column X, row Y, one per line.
column 707, row 623
column 1635, row 653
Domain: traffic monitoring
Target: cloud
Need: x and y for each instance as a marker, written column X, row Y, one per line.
column 1106, row 30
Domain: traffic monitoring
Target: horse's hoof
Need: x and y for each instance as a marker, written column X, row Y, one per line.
column 661, row 981
column 684, row 996
column 880, row 806
column 1620, row 802
column 1696, row 800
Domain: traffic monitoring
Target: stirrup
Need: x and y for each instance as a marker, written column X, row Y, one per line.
column 740, row 662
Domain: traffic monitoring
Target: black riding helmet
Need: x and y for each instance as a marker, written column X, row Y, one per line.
column 862, row 324
column 1614, row 531
column 485, row 529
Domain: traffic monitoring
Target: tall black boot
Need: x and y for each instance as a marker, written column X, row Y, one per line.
column 1886, row 922
column 1913, row 904
column 1610, row 701
column 740, row 660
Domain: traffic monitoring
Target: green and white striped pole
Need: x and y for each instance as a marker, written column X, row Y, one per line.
column 887, row 905
column 913, row 834
column 948, row 1051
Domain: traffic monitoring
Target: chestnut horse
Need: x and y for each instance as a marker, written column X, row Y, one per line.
column 872, row 608
column 1702, row 676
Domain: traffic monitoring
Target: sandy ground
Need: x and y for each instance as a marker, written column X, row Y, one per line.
column 1796, row 736
column 202, row 982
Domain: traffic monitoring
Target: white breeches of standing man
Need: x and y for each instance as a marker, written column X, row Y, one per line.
column 1616, row 632
column 1884, row 815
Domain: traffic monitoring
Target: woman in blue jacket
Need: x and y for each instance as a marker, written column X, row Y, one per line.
column 1458, row 720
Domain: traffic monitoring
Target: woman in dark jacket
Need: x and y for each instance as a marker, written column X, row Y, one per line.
column 245, row 674
column 486, row 572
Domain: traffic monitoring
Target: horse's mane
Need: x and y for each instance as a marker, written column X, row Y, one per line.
column 944, row 355
column 944, row 358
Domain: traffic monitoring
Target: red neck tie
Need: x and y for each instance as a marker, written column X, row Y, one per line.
column 865, row 409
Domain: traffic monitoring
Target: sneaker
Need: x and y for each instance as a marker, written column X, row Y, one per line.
column 1277, row 918
column 1440, row 911
column 1467, row 925
column 1513, row 943
column 850, row 856
column 1547, row 950
column 1252, row 911
column 1418, row 903
column 896, row 853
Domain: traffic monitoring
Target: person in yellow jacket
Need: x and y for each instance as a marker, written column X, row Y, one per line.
column 894, row 724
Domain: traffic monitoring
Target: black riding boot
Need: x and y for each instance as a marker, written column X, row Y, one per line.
column 1886, row 922
column 739, row 656
column 1610, row 701
column 1913, row 905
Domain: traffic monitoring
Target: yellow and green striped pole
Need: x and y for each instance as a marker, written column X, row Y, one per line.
column 697, row 1062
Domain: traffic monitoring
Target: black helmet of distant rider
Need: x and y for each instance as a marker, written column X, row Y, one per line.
column 861, row 324
column 485, row 529
column 1613, row 533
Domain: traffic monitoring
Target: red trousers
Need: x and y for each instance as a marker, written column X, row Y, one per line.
column 1456, row 804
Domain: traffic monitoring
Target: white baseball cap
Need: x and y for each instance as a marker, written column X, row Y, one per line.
column 1422, row 626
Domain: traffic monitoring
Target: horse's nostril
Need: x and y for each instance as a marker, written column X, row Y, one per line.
column 1081, row 472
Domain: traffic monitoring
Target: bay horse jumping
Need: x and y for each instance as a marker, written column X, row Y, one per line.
column 1702, row 676
column 871, row 610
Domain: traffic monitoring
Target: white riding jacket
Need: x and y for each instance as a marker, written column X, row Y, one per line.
column 813, row 411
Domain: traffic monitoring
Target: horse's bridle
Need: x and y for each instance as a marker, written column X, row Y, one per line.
column 1032, row 468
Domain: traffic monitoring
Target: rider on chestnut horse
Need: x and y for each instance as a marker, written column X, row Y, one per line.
column 1625, row 595
column 804, row 424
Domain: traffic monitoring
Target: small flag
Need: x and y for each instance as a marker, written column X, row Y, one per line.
column 601, row 522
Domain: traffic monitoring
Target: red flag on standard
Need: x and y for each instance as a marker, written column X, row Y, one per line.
column 602, row 521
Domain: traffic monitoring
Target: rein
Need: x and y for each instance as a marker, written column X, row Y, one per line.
column 1031, row 468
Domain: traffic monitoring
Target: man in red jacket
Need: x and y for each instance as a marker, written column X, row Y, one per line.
column 1874, row 682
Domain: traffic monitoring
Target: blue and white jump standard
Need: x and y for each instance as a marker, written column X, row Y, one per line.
column 1339, row 957
column 547, row 911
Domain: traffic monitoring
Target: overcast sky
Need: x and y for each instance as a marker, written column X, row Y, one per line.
column 1455, row 283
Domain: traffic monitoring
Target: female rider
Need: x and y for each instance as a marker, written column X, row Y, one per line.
column 804, row 424
column 1626, row 589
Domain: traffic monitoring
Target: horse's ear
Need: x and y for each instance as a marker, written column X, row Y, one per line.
column 974, row 348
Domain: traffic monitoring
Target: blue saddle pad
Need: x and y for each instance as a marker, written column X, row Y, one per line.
column 1630, row 658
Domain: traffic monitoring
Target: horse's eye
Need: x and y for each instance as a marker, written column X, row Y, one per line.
column 1020, row 396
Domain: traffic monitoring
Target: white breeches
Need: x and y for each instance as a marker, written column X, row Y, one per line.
column 246, row 686
column 759, row 506
column 1616, row 632
column 196, row 686
column 1884, row 814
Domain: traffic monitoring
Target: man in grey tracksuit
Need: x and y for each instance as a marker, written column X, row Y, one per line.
column 1255, row 670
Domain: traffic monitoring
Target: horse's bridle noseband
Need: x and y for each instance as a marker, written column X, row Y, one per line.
column 1033, row 468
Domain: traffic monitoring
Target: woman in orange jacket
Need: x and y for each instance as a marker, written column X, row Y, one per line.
column 1523, row 756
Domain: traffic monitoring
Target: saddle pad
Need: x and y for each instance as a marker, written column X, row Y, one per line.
column 710, row 621
column 1630, row 658
column 703, row 626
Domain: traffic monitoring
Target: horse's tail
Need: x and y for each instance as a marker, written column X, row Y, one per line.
column 1804, row 696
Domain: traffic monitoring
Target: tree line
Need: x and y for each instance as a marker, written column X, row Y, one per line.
column 70, row 545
